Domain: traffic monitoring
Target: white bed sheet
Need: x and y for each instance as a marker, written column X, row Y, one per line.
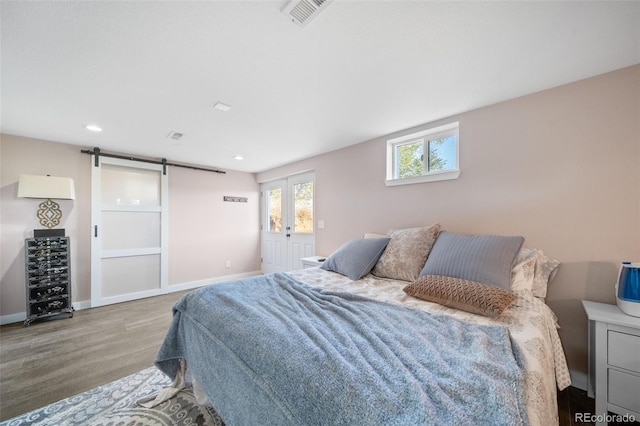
column 532, row 325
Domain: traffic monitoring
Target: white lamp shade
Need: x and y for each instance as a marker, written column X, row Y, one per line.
column 30, row 186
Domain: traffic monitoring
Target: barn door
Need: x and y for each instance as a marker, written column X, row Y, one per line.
column 129, row 231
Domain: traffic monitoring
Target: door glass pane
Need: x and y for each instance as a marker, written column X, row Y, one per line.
column 409, row 160
column 274, row 209
column 126, row 186
column 125, row 275
column 442, row 153
column 303, row 207
column 130, row 230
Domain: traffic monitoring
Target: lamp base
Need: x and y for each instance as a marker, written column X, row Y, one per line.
column 49, row 213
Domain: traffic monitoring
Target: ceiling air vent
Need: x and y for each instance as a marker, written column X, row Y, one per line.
column 176, row 136
column 301, row 12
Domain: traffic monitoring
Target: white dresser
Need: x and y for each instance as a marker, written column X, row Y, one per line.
column 614, row 361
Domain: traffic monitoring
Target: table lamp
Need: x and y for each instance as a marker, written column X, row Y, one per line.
column 47, row 187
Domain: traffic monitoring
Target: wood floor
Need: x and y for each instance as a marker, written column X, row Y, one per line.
column 58, row 358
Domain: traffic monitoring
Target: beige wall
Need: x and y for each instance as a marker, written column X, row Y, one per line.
column 559, row 167
column 204, row 231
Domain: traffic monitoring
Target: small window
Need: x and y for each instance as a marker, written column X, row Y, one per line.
column 424, row 156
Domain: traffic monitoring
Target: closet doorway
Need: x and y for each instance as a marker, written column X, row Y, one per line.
column 129, row 230
column 287, row 222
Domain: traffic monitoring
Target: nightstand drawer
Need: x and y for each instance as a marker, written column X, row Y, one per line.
column 624, row 390
column 623, row 351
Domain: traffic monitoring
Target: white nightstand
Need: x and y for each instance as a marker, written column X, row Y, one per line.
column 614, row 361
column 311, row 261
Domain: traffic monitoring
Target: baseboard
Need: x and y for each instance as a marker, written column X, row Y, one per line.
column 86, row 304
column 578, row 379
column 83, row 304
column 217, row 280
column 11, row 318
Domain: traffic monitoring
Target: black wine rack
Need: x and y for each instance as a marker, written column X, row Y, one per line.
column 48, row 278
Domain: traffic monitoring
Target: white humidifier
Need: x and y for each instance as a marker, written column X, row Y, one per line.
column 628, row 289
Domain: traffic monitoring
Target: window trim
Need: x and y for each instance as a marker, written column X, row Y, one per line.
column 424, row 136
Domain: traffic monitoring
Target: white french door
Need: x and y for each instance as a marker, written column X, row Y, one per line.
column 287, row 222
column 129, row 231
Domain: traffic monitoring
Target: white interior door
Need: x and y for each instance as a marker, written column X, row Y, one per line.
column 274, row 240
column 287, row 222
column 300, row 235
column 129, row 235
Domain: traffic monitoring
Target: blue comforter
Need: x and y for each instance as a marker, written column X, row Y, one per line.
column 271, row 350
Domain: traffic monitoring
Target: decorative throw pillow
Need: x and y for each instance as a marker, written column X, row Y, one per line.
column 466, row 295
column 545, row 270
column 406, row 253
column 522, row 275
column 486, row 259
column 356, row 258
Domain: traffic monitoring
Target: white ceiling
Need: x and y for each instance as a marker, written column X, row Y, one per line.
column 360, row 70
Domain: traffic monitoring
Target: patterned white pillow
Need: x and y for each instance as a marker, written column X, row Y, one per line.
column 522, row 275
column 545, row 270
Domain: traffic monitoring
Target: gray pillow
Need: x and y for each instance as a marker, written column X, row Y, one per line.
column 356, row 258
column 485, row 259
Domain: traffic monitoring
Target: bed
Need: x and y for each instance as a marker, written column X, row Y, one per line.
column 350, row 343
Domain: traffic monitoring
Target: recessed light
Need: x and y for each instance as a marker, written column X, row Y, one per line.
column 222, row 107
column 93, row 128
column 238, row 157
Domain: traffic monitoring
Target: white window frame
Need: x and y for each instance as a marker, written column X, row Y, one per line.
column 451, row 129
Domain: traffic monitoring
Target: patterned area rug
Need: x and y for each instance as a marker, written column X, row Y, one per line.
column 115, row 404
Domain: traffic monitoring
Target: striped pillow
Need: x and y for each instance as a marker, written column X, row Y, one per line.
column 486, row 259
